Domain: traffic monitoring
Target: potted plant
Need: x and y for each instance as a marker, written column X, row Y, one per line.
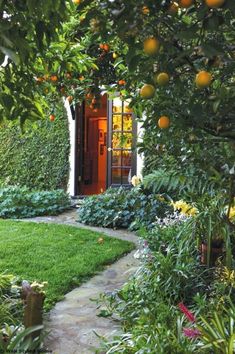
column 212, row 230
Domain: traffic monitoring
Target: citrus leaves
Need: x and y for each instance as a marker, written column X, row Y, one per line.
column 26, row 30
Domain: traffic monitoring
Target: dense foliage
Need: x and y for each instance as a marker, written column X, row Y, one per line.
column 21, row 202
column 39, row 158
column 27, row 29
column 171, row 274
column 123, row 208
column 190, row 39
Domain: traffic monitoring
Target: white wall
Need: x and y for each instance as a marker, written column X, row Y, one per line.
column 140, row 157
column 72, row 135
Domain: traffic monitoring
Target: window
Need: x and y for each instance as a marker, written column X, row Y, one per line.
column 122, row 138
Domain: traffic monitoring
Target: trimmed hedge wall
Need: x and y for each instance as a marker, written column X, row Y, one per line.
column 38, row 158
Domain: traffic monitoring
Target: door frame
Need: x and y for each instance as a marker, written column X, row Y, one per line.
column 79, row 142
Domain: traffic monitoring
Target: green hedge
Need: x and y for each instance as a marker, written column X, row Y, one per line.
column 38, row 158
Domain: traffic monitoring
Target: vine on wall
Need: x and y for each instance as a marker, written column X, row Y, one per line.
column 37, row 158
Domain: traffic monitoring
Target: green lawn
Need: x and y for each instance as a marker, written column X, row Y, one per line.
column 62, row 255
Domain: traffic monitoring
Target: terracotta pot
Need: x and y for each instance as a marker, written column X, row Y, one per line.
column 216, row 252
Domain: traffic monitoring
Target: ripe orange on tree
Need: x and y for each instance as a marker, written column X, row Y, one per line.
column 121, row 82
column 54, row 78
column 163, row 122
column 151, row 45
column 147, row 91
column 145, row 10
column 161, row 79
column 106, row 47
column 185, row 3
column 76, row 2
column 214, row 4
column 203, row 79
column 52, row 117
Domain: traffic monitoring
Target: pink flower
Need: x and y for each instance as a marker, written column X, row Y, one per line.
column 191, row 333
column 186, row 311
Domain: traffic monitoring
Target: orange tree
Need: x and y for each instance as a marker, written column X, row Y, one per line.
column 183, row 51
column 189, row 43
column 36, row 57
column 175, row 62
column 26, row 30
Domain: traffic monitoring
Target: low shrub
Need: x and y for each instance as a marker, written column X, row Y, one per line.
column 20, row 202
column 123, row 208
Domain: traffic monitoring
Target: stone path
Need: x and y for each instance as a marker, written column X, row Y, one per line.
column 73, row 322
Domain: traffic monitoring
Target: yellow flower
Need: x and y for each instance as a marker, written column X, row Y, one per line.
column 185, row 208
column 226, row 275
column 232, row 213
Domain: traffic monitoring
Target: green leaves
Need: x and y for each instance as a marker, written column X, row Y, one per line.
column 20, row 202
column 11, row 54
column 122, row 208
column 25, row 33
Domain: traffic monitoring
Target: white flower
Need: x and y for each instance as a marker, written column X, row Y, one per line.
column 136, row 180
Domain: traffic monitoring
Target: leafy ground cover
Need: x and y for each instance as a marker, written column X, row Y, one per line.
column 122, row 208
column 21, row 202
column 64, row 256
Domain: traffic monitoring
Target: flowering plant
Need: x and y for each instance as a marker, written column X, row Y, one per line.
column 184, row 208
column 136, row 180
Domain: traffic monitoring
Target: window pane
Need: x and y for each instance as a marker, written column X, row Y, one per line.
column 126, row 158
column 126, row 141
column 116, row 176
column 126, row 173
column 117, row 105
column 127, row 122
column 117, row 122
column 116, row 158
column 117, row 140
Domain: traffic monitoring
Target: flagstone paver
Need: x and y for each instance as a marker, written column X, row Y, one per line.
column 73, row 322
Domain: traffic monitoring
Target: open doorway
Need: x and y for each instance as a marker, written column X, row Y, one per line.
column 93, row 154
column 105, row 146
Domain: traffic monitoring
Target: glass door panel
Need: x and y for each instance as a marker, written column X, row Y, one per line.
column 122, row 138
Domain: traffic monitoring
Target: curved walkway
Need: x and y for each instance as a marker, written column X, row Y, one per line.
column 73, row 322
